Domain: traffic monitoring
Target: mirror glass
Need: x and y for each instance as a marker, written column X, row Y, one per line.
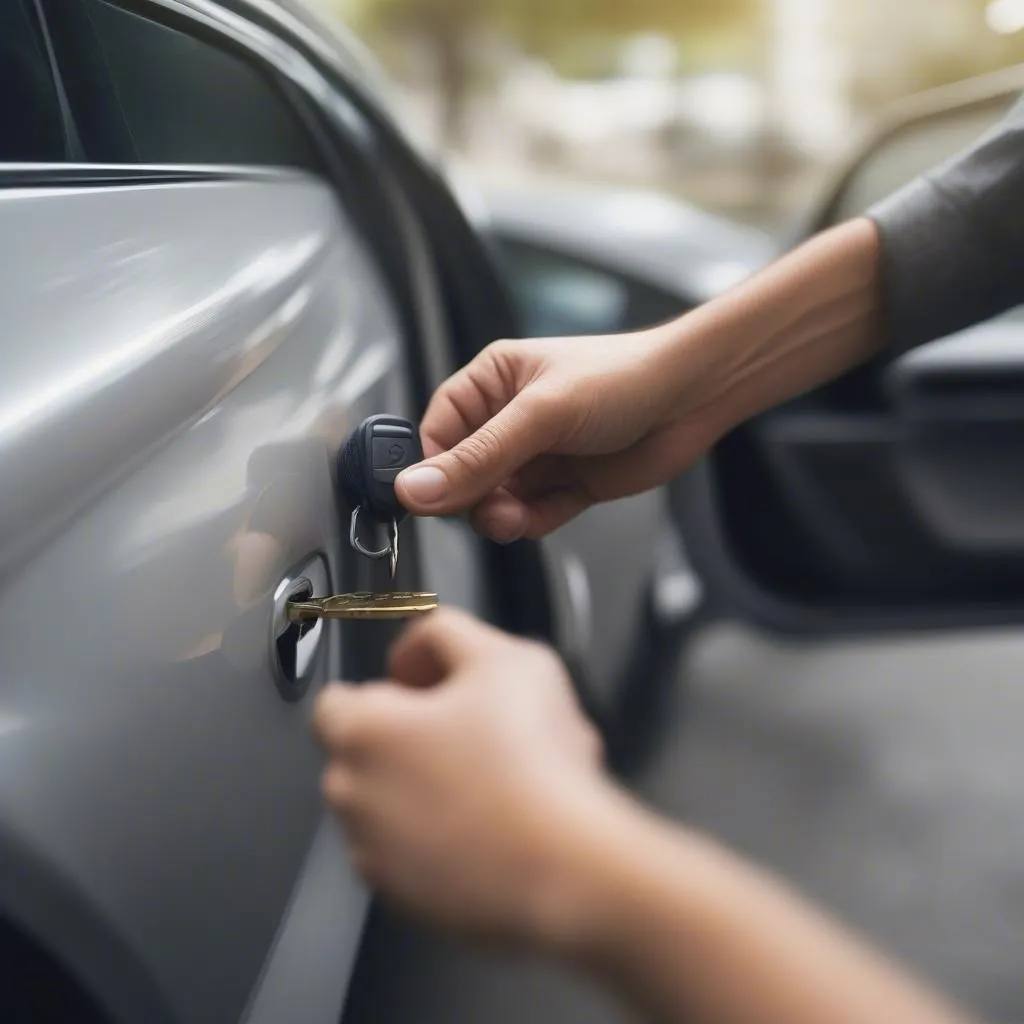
column 560, row 296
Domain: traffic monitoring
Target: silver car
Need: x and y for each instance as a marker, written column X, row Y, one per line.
column 218, row 255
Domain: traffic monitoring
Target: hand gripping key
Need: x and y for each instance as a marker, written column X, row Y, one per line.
column 376, row 452
column 379, row 449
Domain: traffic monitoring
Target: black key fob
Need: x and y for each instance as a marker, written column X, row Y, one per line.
column 373, row 456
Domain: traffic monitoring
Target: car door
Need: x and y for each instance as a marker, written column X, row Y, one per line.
column 193, row 320
column 892, row 498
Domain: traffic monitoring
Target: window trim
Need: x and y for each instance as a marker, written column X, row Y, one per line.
column 87, row 175
column 312, row 101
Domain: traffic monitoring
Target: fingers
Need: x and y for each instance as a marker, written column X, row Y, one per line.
column 439, row 645
column 349, row 720
column 483, row 458
column 501, row 516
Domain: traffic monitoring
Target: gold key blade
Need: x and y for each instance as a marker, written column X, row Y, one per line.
column 363, row 606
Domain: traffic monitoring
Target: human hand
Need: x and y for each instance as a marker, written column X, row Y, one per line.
column 459, row 781
column 531, row 433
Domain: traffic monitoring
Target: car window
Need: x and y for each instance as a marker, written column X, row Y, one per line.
column 913, row 151
column 143, row 92
column 559, row 296
column 31, row 124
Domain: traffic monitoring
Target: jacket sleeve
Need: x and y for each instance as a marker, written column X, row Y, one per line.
column 953, row 240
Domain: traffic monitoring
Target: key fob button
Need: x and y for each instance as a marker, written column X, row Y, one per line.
column 391, row 430
column 391, row 452
column 378, row 450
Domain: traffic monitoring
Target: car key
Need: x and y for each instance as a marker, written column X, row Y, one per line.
column 363, row 606
column 373, row 456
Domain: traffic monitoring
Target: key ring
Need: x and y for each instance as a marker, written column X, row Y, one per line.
column 390, row 552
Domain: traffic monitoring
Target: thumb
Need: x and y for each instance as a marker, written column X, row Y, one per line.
column 459, row 478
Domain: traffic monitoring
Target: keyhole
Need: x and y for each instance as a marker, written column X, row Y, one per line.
column 296, row 645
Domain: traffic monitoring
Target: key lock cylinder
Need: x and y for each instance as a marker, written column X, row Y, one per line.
column 369, row 464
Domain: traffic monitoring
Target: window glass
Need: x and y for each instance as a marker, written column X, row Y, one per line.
column 31, row 126
column 913, row 151
column 558, row 296
column 143, row 92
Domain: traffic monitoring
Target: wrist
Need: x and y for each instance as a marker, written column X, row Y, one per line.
column 587, row 872
column 694, row 362
column 802, row 321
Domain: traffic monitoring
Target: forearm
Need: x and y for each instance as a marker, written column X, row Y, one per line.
column 806, row 319
column 687, row 933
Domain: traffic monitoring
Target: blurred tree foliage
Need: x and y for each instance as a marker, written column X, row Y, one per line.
column 574, row 34
column 899, row 49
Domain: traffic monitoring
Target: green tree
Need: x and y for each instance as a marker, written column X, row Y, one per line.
column 539, row 27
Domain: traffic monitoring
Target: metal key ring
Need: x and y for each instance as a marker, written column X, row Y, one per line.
column 394, row 548
column 390, row 552
column 353, row 536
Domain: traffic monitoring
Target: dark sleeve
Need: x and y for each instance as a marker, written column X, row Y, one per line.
column 953, row 240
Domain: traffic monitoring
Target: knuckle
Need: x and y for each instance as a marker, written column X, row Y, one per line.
column 477, row 451
column 502, row 349
column 547, row 398
column 338, row 789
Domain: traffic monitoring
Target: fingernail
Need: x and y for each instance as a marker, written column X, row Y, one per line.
column 424, row 484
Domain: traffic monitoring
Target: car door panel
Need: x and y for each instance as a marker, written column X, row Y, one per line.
column 890, row 499
column 962, row 403
column 307, row 974
column 184, row 361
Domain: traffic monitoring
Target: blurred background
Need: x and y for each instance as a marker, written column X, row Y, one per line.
column 740, row 106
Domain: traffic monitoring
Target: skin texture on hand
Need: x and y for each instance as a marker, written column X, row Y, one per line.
column 531, row 433
column 469, row 784
column 471, row 793
column 456, row 779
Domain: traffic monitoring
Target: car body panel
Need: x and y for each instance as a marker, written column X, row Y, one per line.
column 308, row 972
column 168, row 420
